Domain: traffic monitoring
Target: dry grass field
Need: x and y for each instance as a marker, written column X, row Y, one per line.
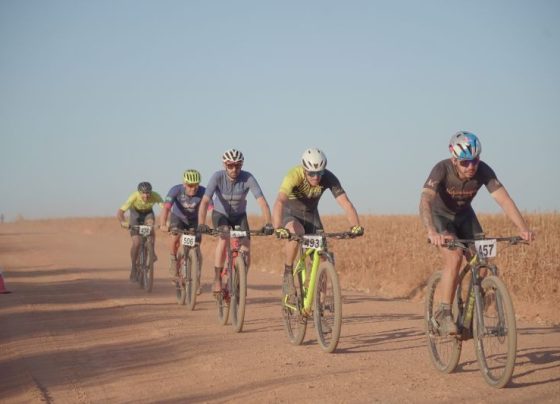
column 393, row 259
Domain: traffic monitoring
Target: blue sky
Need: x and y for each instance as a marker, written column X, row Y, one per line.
column 96, row 96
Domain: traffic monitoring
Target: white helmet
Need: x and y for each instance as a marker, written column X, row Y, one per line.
column 314, row 160
column 232, row 156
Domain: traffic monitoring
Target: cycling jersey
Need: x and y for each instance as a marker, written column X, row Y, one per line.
column 453, row 195
column 183, row 206
column 302, row 197
column 231, row 196
column 135, row 202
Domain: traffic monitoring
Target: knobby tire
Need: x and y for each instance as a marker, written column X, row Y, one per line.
column 327, row 312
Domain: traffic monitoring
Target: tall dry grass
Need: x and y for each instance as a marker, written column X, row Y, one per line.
column 394, row 260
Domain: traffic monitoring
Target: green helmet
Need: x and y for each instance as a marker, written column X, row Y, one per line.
column 191, row 177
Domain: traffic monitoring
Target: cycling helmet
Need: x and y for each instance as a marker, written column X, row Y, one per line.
column 465, row 146
column 145, row 187
column 314, row 160
column 232, row 156
column 191, row 177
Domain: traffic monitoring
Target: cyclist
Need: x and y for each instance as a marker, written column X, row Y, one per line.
column 446, row 211
column 182, row 201
column 231, row 186
column 140, row 206
column 295, row 209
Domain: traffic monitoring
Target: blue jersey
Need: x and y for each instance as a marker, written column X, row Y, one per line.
column 231, row 196
column 182, row 205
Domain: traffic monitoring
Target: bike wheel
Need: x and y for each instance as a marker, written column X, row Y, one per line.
column 238, row 293
column 180, row 289
column 148, row 278
column 496, row 342
column 223, row 303
column 445, row 350
column 327, row 311
column 295, row 323
column 140, row 264
column 191, row 278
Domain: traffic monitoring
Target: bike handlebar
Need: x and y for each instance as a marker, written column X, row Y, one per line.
column 336, row 235
column 225, row 232
column 465, row 244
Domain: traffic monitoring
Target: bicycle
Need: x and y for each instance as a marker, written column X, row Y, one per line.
column 189, row 260
column 485, row 313
column 233, row 296
column 317, row 292
column 145, row 260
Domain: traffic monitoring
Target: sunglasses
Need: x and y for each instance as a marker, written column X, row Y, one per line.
column 316, row 173
column 232, row 166
column 466, row 163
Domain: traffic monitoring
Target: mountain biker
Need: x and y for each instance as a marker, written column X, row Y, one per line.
column 295, row 209
column 231, row 186
column 446, row 211
column 182, row 201
column 140, row 206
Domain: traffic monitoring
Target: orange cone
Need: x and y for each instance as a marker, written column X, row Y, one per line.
column 3, row 289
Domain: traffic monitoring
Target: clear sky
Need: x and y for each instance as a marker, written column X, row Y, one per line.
column 96, row 96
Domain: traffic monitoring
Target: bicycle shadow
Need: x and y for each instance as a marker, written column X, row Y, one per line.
column 540, row 359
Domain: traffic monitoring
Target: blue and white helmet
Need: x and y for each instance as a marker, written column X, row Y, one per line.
column 465, row 146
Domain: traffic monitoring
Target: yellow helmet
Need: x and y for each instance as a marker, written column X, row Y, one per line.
column 191, row 177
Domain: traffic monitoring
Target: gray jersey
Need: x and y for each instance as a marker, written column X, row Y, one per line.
column 231, row 196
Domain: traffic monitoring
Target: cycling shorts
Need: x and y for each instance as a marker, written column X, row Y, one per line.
column 219, row 219
column 311, row 221
column 138, row 217
column 176, row 223
column 464, row 225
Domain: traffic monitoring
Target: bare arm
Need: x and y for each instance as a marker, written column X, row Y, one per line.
column 281, row 200
column 120, row 216
column 349, row 209
column 203, row 210
column 501, row 196
column 426, row 203
column 163, row 217
column 265, row 209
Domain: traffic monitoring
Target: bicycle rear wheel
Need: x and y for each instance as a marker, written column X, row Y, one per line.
column 238, row 293
column 327, row 311
column 180, row 289
column 191, row 278
column 445, row 350
column 148, row 268
column 496, row 343
column 295, row 323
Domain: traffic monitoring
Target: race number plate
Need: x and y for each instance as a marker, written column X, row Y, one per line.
column 315, row 242
column 238, row 233
column 486, row 248
column 188, row 240
column 144, row 230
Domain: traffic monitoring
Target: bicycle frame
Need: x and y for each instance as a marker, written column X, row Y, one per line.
column 303, row 270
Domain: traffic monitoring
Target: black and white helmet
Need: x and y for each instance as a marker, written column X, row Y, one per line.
column 232, row 156
column 145, row 187
column 314, row 160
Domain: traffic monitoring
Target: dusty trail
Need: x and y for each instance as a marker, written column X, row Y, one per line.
column 75, row 330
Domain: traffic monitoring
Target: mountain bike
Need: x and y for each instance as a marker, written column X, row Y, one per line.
column 145, row 259
column 231, row 300
column 483, row 311
column 189, row 264
column 317, row 292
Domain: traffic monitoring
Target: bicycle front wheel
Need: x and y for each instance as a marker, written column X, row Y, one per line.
column 148, row 278
column 495, row 334
column 238, row 293
column 327, row 311
column 445, row 350
column 191, row 278
column 223, row 302
column 295, row 323
column 180, row 289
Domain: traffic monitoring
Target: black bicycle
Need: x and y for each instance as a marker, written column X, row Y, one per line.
column 189, row 264
column 483, row 311
column 145, row 260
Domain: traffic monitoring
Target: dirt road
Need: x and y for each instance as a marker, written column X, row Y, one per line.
column 75, row 330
